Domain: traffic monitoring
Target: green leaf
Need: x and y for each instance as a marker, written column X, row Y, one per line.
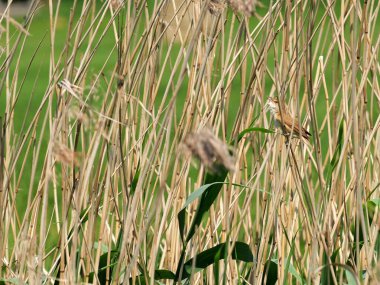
column 326, row 276
column 254, row 129
column 163, row 274
column 208, row 196
column 102, row 246
column 374, row 202
column 209, row 193
column 159, row 274
column 335, row 159
column 118, row 248
column 240, row 252
column 351, row 278
column 104, row 266
column 370, row 208
column 198, row 193
column 103, row 262
column 291, row 269
column 193, row 196
column 271, row 271
column 217, row 257
column 135, row 179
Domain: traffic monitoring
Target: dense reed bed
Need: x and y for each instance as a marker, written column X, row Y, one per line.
column 135, row 146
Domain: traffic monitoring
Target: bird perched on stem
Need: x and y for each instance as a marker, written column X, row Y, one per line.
column 284, row 120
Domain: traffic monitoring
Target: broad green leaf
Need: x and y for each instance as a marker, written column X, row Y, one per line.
column 197, row 193
column 105, row 267
column 217, row 257
column 291, row 269
column 207, row 199
column 351, row 279
column 118, row 248
column 351, row 276
column 271, row 272
column 208, row 193
column 135, row 179
column 159, row 274
column 193, row 196
column 335, row 159
column 102, row 246
column 240, row 252
column 326, row 276
column 254, row 129
column 180, row 266
column 163, row 274
column 375, row 202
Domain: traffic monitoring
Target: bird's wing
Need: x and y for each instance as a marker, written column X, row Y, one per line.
column 293, row 125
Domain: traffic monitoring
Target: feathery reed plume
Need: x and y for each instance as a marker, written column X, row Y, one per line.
column 115, row 4
column 71, row 88
column 246, row 7
column 64, row 154
column 210, row 150
column 82, row 116
column 216, row 7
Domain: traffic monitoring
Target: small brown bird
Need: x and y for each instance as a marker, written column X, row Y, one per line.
column 284, row 120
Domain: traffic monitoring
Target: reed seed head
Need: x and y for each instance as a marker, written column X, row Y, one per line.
column 246, row 7
column 210, row 150
column 216, row 7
